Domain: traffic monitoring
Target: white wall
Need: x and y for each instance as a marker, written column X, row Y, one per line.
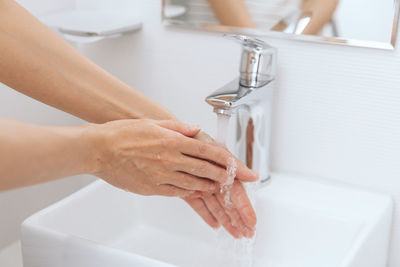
column 365, row 19
column 16, row 205
column 337, row 108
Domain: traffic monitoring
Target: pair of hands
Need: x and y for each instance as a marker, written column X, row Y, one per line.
column 171, row 158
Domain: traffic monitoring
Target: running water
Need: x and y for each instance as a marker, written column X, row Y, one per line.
column 241, row 250
column 222, row 133
column 222, row 128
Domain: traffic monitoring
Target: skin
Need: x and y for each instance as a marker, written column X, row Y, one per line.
column 239, row 219
column 235, row 13
column 131, row 142
column 232, row 13
column 322, row 12
column 160, row 155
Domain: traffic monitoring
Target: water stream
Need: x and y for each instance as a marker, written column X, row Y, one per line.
column 241, row 249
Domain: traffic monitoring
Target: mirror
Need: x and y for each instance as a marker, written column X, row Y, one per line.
column 366, row 23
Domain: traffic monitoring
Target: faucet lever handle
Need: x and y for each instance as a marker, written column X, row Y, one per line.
column 257, row 66
column 249, row 42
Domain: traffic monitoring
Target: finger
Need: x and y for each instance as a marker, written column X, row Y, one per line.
column 180, row 127
column 173, row 191
column 200, row 207
column 202, row 136
column 191, row 182
column 202, row 168
column 243, row 205
column 233, row 213
column 230, row 210
column 219, row 155
column 219, row 213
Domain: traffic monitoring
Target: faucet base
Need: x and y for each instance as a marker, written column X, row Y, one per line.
column 266, row 181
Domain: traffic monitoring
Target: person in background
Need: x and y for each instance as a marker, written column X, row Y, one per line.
column 235, row 13
column 130, row 141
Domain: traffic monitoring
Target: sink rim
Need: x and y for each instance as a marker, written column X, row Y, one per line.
column 33, row 223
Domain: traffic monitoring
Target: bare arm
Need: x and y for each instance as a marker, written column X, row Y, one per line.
column 232, row 13
column 33, row 154
column 37, row 62
column 321, row 11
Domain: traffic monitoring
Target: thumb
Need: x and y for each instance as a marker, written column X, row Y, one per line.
column 180, row 127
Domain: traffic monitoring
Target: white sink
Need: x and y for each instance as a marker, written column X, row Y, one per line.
column 301, row 223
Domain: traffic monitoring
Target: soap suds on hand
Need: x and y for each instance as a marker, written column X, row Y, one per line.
column 226, row 187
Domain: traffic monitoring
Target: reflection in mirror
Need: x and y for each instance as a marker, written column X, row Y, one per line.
column 371, row 23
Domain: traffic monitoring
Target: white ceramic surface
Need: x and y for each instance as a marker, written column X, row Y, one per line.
column 301, row 222
column 11, row 256
column 93, row 22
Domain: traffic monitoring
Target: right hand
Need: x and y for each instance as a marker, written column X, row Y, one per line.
column 238, row 217
column 151, row 157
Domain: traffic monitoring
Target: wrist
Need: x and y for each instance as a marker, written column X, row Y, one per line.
column 74, row 147
column 92, row 145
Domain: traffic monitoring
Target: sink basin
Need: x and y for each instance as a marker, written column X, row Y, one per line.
column 302, row 222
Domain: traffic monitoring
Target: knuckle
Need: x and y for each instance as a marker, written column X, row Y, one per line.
column 203, row 148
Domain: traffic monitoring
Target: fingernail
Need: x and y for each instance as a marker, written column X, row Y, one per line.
column 195, row 127
column 255, row 174
column 216, row 225
column 247, row 232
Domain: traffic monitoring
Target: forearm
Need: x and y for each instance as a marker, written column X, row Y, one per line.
column 32, row 154
column 321, row 13
column 232, row 13
column 37, row 62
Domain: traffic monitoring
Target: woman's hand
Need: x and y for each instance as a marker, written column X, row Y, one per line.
column 237, row 215
column 151, row 157
column 321, row 13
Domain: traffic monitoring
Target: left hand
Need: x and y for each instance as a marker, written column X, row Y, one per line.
column 238, row 217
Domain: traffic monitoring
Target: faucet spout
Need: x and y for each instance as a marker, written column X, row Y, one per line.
column 249, row 103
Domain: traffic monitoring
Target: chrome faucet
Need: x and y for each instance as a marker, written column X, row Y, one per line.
column 248, row 101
